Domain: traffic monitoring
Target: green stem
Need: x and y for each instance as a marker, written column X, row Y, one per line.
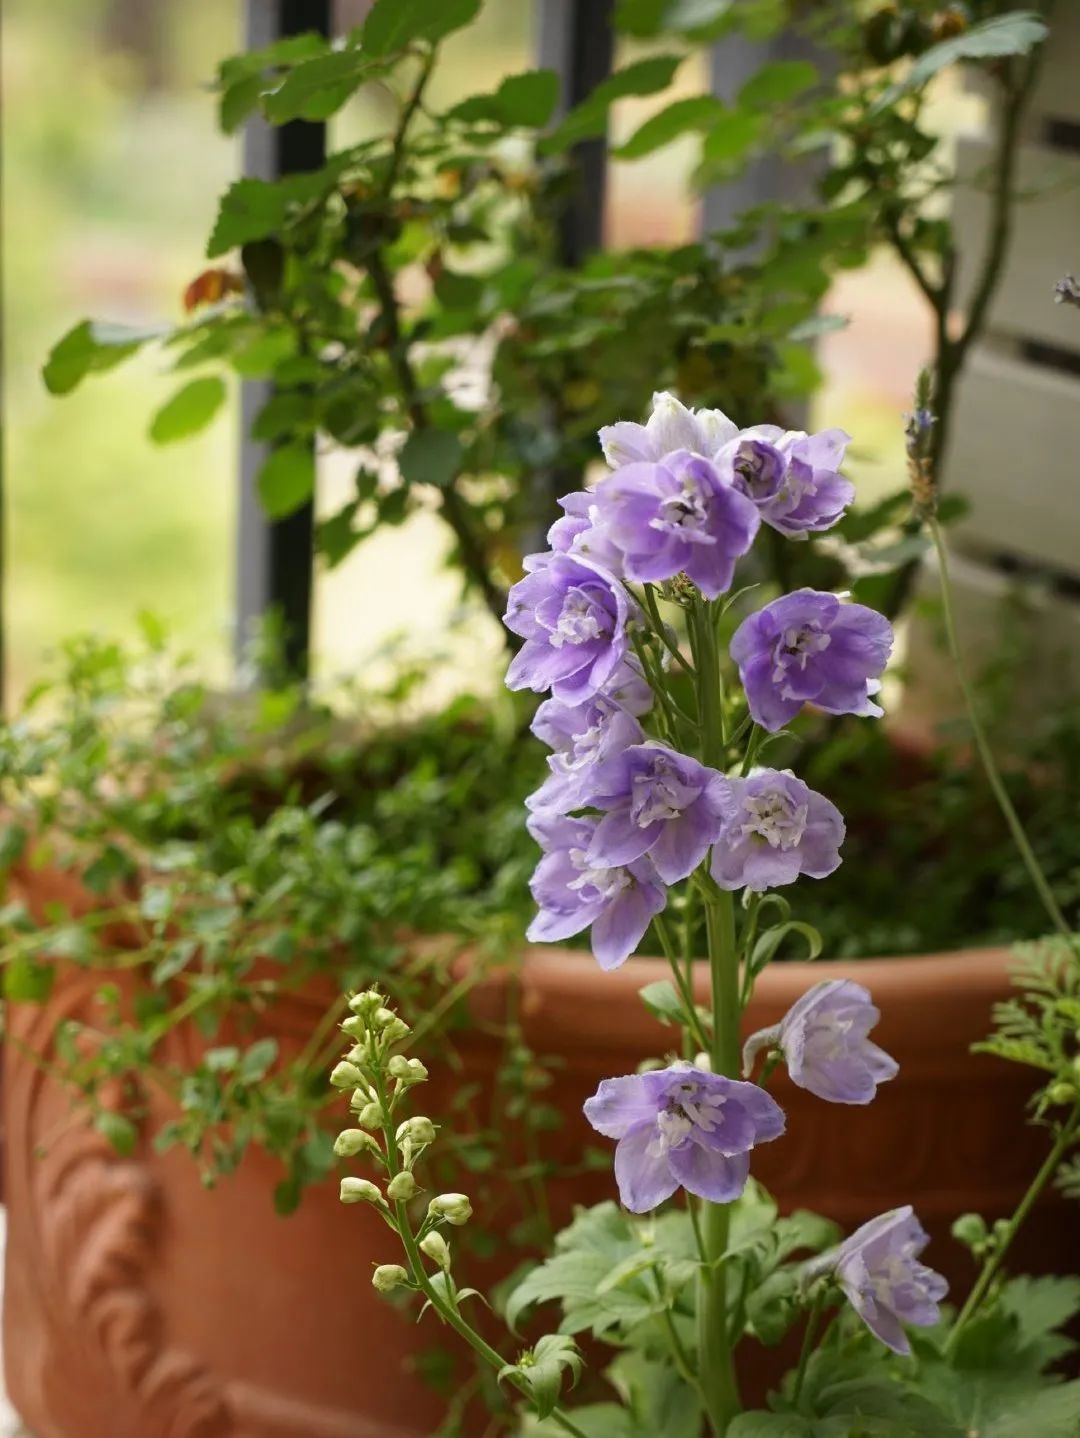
column 993, row 1263
column 812, row 1319
column 757, row 734
column 686, row 992
column 1001, row 794
column 660, row 628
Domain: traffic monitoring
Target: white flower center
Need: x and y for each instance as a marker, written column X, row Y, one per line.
column 604, row 883
column 775, row 818
column 685, row 513
column 657, row 794
column 797, row 644
column 689, row 1107
column 580, row 620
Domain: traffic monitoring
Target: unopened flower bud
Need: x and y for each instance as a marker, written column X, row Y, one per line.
column 354, row 1028
column 1062, row 1093
column 455, row 1208
column 359, row 1190
column 970, row 1230
column 407, row 1070
column 352, row 1141
column 436, row 1248
column 370, row 1116
column 382, row 1018
column 346, row 1075
column 396, row 1031
column 388, row 1276
column 417, row 1131
column 365, row 1004
column 402, row 1187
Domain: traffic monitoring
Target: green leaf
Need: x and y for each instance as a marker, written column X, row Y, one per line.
column 238, row 100
column 644, row 77
column 13, row 840
column 28, row 981
column 1040, row 1306
column 287, row 479
column 430, row 456
column 769, row 942
column 777, row 83
column 92, row 347
column 662, row 1001
column 769, row 1425
column 816, row 326
column 119, row 1130
column 730, row 140
column 458, row 292
column 541, row 1370
column 257, row 1060
column 315, row 89
column 695, row 112
column 189, row 410
column 1013, row 34
column 393, row 25
column 528, row 99
column 254, row 209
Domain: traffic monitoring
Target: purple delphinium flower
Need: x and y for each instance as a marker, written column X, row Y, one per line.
column 572, row 893
column 680, row 1126
column 671, row 426
column 774, row 829
column 674, row 516
column 582, row 736
column 824, row 1041
column 791, row 476
column 658, row 802
column 879, row 1270
column 810, row 648
column 572, row 615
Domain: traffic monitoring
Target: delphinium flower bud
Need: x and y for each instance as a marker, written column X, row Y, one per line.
column 407, row 1071
column 455, row 1208
column 436, row 1247
column 365, row 1004
column 368, row 1115
column 402, row 1187
column 418, row 1130
column 389, row 1276
column 352, row 1141
column 346, row 1075
column 354, row 1027
column 359, row 1190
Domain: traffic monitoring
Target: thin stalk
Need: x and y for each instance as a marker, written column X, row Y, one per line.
column 993, row 1264
column 686, row 993
column 812, row 1319
column 660, row 628
column 757, row 734
column 982, row 744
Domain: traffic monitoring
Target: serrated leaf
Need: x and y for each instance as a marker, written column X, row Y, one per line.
column 643, row 77
column 94, row 346
column 662, row 1001
column 694, row 112
column 777, row 83
column 119, row 1130
column 769, row 1425
column 287, row 479
column 1013, row 34
column 393, row 25
column 430, row 456
column 315, row 89
column 252, row 209
column 528, row 99
column 189, row 410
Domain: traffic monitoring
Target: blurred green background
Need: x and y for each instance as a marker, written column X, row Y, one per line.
column 111, row 168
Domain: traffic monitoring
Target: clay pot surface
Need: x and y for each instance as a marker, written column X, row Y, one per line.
column 139, row 1305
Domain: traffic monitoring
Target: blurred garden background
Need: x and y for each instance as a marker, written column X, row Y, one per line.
column 113, row 164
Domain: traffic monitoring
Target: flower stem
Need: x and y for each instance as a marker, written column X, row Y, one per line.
column 1001, row 794
column 812, row 1319
column 994, row 1261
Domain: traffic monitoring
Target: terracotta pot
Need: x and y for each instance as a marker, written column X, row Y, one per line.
column 138, row 1305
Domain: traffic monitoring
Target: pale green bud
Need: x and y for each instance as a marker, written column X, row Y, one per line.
column 455, row 1208
column 365, row 1004
column 407, row 1070
column 346, row 1075
column 357, row 1054
column 396, row 1031
column 388, row 1276
column 436, row 1248
column 416, row 1131
column 352, row 1141
column 401, row 1187
column 382, row 1018
column 370, row 1116
column 355, row 1028
column 359, row 1190
column 1061, row 1093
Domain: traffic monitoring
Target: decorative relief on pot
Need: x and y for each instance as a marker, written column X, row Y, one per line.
column 94, row 1357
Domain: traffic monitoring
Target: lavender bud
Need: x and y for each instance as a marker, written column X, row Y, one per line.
column 346, row 1075
column 402, row 1187
column 388, row 1276
column 436, row 1248
column 455, row 1208
column 359, row 1190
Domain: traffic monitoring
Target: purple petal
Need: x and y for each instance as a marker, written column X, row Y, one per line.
column 709, row 1174
column 645, row 1179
